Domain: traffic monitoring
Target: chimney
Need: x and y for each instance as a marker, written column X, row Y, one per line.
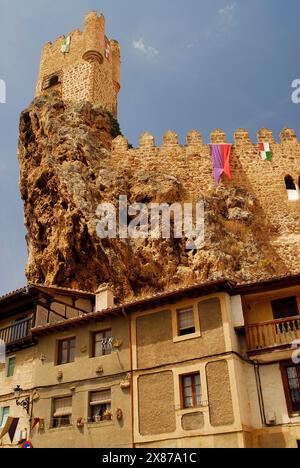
column 104, row 298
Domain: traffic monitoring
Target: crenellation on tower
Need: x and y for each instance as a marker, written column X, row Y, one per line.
column 84, row 66
column 241, row 137
column 218, row 137
column 265, row 135
column 194, row 138
column 288, row 135
column 147, row 140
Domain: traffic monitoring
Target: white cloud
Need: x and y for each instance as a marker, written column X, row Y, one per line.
column 145, row 49
column 224, row 23
column 226, row 14
column 228, row 10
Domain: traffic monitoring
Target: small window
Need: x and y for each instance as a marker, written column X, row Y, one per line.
column 285, row 308
column 291, row 380
column 100, row 406
column 66, row 351
column 102, row 343
column 4, row 414
column 293, row 194
column 62, row 412
column 11, row 362
column 191, row 391
column 54, row 80
column 186, row 322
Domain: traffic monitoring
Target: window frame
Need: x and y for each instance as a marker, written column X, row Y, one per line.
column 107, row 402
column 9, row 359
column 290, row 298
column 2, row 416
column 175, row 321
column 195, row 406
column 59, row 418
column 181, row 311
column 287, row 390
column 94, row 343
column 60, row 351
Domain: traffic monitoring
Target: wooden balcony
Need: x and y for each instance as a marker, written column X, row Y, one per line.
column 275, row 334
column 18, row 335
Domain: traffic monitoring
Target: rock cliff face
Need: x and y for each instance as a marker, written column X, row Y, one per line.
column 66, row 171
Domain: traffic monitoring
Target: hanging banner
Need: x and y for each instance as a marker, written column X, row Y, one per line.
column 107, row 49
column 10, row 428
column 265, row 152
column 65, row 48
column 221, row 161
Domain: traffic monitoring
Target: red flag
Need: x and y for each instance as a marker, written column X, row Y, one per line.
column 226, row 153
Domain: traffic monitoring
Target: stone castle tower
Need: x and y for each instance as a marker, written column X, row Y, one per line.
column 85, row 66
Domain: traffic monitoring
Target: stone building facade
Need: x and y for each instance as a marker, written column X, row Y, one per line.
column 208, row 366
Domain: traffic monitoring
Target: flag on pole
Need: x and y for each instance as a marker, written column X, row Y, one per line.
column 107, row 49
column 65, row 48
column 265, row 152
column 10, row 428
column 221, row 161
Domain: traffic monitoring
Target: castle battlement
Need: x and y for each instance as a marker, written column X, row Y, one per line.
column 84, row 66
column 194, row 139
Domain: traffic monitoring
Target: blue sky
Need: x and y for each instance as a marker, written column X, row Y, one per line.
column 185, row 64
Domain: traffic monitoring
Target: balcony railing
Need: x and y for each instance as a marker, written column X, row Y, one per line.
column 274, row 334
column 17, row 333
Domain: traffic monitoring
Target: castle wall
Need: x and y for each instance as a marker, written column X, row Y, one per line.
column 191, row 164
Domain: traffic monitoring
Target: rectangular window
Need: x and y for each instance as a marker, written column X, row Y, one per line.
column 285, row 308
column 191, row 391
column 11, row 362
column 62, row 412
column 291, row 380
column 186, row 322
column 100, row 406
column 4, row 414
column 102, row 345
column 66, row 351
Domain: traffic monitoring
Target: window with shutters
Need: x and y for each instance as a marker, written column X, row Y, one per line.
column 100, row 406
column 186, row 321
column 62, row 412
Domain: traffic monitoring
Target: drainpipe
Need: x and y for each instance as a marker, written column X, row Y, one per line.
column 260, row 393
column 131, row 372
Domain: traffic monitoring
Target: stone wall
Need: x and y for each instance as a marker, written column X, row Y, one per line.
column 156, row 404
column 219, row 394
column 191, row 165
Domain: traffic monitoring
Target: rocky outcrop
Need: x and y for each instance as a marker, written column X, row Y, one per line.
column 66, row 171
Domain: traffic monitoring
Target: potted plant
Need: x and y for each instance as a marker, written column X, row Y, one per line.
column 107, row 415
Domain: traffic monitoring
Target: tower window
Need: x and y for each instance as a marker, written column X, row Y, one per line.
column 293, row 193
column 54, row 80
